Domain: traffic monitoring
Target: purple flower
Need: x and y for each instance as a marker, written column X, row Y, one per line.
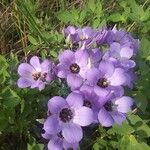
column 68, row 116
column 46, row 135
column 102, row 36
column 89, row 37
column 91, row 100
column 123, row 38
column 131, row 78
column 71, row 35
column 70, row 30
column 86, row 33
column 35, row 74
column 106, row 78
column 95, row 56
column 58, row 142
column 73, row 67
column 83, row 36
column 119, row 51
column 120, row 56
column 114, row 111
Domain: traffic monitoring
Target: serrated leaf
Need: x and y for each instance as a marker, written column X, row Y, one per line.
column 123, row 129
column 65, row 16
column 10, row 98
column 129, row 142
column 140, row 126
column 116, row 17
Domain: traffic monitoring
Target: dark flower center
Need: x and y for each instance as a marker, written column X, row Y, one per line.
column 43, row 77
column 65, row 115
column 60, row 135
column 43, row 131
column 74, row 68
column 87, row 103
column 102, row 82
column 109, row 106
column 75, row 45
column 36, row 75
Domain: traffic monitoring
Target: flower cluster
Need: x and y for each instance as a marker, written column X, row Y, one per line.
column 97, row 66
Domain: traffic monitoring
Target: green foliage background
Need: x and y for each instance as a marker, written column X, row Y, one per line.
column 34, row 27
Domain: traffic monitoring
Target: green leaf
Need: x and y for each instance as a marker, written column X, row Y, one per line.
column 38, row 147
column 32, row 40
column 3, row 71
column 100, row 144
column 141, row 101
column 129, row 142
column 145, row 47
column 99, row 9
column 145, row 15
column 145, row 27
column 65, row 16
column 123, row 4
column 33, row 145
column 123, row 129
column 92, row 5
column 53, row 53
column 138, row 13
column 82, row 16
column 96, row 23
column 116, row 17
column 3, row 121
column 140, row 126
column 10, row 98
column 7, row 116
column 96, row 146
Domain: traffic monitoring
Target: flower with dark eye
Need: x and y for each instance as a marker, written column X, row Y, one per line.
column 73, row 67
column 68, row 116
column 115, row 111
column 106, row 79
column 58, row 142
column 35, row 74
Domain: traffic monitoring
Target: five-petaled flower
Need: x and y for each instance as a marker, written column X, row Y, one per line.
column 68, row 116
column 35, row 74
